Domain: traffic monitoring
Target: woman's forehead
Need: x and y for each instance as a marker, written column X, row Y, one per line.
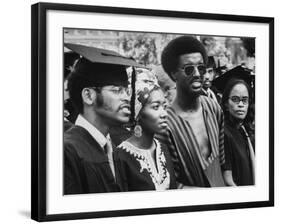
column 156, row 95
column 239, row 88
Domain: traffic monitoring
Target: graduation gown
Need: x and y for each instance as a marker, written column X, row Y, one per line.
column 237, row 155
column 86, row 166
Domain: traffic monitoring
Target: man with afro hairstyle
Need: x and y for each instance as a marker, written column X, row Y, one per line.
column 195, row 136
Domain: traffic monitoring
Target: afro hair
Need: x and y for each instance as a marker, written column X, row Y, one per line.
column 179, row 46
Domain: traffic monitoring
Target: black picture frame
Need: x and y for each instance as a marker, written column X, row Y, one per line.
column 39, row 109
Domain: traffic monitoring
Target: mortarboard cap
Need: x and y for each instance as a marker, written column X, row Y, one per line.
column 102, row 67
column 239, row 72
column 98, row 55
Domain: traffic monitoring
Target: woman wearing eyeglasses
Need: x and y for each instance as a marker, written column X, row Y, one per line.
column 239, row 150
column 144, row 162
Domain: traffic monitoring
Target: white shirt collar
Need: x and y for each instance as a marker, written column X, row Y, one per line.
column 96, row 134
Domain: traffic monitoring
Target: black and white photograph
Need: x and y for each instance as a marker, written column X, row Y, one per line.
column 157, row 111
column 141, row 112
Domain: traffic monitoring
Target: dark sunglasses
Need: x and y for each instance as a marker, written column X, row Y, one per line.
column 190, row 69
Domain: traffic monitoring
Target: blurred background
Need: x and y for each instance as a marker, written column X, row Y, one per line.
column 146, row 48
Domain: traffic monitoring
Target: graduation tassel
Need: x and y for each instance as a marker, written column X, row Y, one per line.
column 133, row 97
column 219, row 69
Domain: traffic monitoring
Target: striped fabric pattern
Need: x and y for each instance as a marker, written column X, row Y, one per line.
column 183, row 146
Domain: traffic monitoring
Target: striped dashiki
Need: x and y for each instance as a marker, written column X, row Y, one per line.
column 190, row 166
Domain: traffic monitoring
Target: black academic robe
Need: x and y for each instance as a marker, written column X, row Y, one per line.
column 119, row 134
column 66, row 125
column 86, row 166
column 237, row 155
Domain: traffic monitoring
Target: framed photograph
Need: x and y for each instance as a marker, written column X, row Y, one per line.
column 137, row 41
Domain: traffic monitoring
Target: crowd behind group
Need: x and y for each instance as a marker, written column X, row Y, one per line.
column 123, row 133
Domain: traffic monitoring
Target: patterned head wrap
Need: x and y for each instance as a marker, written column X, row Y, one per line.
column 146, row 82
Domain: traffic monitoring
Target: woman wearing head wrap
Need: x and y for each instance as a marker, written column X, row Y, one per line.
column 145, row 164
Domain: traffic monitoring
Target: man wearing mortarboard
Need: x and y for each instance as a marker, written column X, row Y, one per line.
column 98, row 88
column 195, row 122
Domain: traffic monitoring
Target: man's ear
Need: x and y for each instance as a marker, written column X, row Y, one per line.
column 174, row 76
column 88, row 96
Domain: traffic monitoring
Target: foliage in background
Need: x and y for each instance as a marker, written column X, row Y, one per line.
column 141, row 47
column 145, row 48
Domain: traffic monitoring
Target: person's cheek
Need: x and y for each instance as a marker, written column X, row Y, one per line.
column 150, row 120
column 156, row 117
column 247, row 109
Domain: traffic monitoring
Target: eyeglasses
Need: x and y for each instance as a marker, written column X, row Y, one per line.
column 237, row 99
column 190, row 69
column 119, row 90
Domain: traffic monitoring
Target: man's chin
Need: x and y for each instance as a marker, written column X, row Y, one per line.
column 193, row 90
column 117, row 120
column 205, row 87
column 122, row 120
column 194, row 93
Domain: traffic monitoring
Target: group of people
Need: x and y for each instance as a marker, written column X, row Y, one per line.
column 126, row 137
